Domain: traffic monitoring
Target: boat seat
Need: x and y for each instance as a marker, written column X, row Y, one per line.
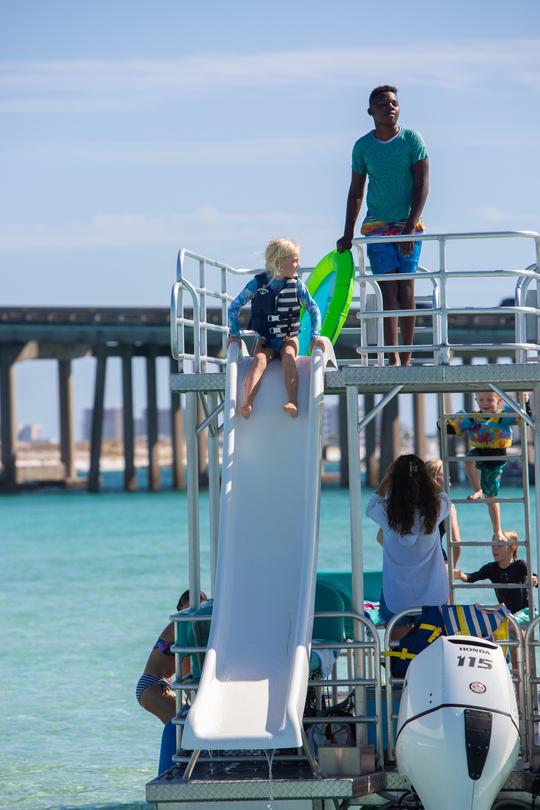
column 341, row 581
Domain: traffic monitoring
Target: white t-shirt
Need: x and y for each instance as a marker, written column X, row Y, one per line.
column 414, row 573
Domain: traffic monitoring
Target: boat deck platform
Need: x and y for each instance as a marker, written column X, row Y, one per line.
column 238, row 782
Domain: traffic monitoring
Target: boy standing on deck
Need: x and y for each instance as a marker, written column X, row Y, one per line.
column 396, row 161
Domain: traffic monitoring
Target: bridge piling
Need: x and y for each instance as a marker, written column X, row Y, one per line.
column 152, row 420
column 130, row 483
column 65, row 400
column 7, row 424
column 97, row 424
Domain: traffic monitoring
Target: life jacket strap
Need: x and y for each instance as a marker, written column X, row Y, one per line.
column 436, row 631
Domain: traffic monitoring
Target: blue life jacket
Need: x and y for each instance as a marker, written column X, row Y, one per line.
column 425, row 632
column 275, row 315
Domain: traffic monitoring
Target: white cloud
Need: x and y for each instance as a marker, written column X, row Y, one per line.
column 143, row 84
column 240, row 152
column 205, row 226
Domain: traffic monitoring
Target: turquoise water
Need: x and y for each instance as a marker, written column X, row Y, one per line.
column 88, row 581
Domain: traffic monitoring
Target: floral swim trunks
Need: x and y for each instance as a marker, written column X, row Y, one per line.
column 490, row 471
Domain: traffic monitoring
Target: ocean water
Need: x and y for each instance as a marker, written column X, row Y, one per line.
column 87, row 583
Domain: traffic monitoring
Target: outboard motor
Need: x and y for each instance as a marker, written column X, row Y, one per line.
column 458, row 727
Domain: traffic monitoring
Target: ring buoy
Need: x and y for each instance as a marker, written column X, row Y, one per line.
column 331, row 284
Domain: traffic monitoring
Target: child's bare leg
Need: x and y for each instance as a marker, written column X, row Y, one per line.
column 474, row 478
column 495, row 515
column 288, row 362
column 261, row 358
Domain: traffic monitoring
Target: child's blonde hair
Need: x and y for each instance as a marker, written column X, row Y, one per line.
column 277, row 249
column 513, row 538
column 434, row 467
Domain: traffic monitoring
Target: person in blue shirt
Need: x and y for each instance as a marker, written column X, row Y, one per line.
column 276, row 297
column 396, row 162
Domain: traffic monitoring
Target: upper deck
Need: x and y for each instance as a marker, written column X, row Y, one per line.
column 443, row 348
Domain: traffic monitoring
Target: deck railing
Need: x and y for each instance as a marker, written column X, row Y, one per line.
column 190, row 304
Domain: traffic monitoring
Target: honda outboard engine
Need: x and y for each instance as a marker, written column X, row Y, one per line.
column 458, row 727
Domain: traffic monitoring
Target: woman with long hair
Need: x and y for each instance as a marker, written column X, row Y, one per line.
column 408, row 507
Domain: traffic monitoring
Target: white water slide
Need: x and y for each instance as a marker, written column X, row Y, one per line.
column 254, row 680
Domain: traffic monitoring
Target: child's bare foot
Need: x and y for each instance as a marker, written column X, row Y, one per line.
column 476, row 495
column 245, row 410
column 394, row 359
column 291, row 409
column 406, row 359
column 499, row 537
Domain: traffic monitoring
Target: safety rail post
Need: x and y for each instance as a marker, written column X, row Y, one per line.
column 203, row 313
column 444, row 353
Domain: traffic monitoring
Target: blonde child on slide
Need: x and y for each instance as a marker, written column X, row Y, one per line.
column 276, row 297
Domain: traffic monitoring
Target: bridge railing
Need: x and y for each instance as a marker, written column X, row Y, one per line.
column 190, row 304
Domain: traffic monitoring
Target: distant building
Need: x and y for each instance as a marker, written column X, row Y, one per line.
column 30, row 433
column 164, row 423
column 112, row 424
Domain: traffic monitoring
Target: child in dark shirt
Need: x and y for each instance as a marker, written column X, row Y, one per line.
column 506, row 569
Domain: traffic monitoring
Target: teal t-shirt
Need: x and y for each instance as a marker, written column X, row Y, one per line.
column 388, row 165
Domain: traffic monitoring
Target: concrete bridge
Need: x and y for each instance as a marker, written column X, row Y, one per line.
column 67, row 333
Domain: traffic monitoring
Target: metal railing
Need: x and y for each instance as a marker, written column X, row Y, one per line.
column 194, row 316
column 369, row 650
column 440, row 310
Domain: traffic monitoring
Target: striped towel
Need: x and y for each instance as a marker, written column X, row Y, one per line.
column 474, row 620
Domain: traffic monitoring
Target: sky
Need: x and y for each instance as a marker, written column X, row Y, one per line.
column 131, row 129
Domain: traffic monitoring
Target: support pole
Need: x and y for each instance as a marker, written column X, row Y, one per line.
column 453, row 466
column 193, row 499
column 343, row 443
column 65, row 398
column 178, row 439
column 390, row 437
column 8, row 434
column 419, row 421
column 213, row 488
column 355, row 501
column 372, row 476
column 152, row 420
column 357, row 544
column 536, row 401
column 97, row 424
column 202, row 439
column 130, row 481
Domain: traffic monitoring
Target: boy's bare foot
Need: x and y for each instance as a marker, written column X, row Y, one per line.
column 499, row 537
column 245, row 410
column 291, row 409
column 394, row 359
column 475, row 496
